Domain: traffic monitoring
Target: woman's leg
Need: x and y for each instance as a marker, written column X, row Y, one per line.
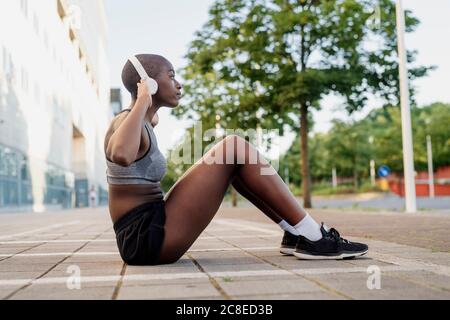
column 243, row 190
column 195, row 198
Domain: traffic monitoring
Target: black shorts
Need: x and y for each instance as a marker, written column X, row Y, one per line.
column 140, row 233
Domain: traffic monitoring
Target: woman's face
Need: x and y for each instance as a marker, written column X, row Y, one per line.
column 169, row 89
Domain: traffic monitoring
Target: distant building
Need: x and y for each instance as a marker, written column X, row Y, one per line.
column 54, row 103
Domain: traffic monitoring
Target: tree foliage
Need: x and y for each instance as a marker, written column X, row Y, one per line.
column 349, row 147
column 271, row 61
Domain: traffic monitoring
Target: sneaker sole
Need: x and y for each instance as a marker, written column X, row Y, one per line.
column 344, row 255
column 287, row 251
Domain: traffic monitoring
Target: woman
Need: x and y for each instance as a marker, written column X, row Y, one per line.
column 156, row 228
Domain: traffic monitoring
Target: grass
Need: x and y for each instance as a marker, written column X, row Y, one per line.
column 325, row 189
column 355, row 205
column 227, row 279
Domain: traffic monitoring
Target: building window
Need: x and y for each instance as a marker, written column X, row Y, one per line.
column 36, row 23
column 2, row 162
column 8, row 162
column 24, row 7
column 61, row 10
column 8, row 193
column 7, row 64
column 24, row 168
column 71, row 35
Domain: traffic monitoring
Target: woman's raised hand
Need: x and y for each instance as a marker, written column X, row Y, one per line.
column 144, row 92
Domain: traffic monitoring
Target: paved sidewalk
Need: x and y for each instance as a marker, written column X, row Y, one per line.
column 235, row 258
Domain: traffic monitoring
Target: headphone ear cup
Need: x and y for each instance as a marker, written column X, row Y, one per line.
column 152, row 85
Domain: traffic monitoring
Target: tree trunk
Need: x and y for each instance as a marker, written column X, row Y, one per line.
column 306, row 179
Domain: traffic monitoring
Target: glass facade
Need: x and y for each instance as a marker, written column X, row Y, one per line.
column 38, row 165
column 102, row 196
column 59, row 187
column 16, row 183
column 9, row 178
column 82, row 193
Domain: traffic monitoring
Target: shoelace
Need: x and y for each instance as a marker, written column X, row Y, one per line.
column 334, row 234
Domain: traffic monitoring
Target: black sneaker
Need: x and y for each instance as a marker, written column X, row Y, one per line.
column 288, row 243
column 331, row 246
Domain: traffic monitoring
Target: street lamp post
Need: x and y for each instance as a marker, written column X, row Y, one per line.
column 408, row 156
column 430, row 167
column 372, row 164
column 334, row 177
column 372, row 172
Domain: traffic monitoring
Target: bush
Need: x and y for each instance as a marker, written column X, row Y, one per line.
column 325, row 188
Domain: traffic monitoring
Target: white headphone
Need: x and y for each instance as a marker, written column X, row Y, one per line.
column 151, row 83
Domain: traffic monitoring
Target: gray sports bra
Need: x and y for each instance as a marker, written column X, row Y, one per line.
column 149, row 169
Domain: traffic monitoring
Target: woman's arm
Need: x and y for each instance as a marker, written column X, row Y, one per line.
column 123, row 145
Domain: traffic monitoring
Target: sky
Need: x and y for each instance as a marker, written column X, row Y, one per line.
column 167, row 27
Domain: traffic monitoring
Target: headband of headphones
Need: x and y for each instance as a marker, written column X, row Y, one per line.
column 152, row 84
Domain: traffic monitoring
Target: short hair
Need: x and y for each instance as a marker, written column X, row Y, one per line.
column 152, row 64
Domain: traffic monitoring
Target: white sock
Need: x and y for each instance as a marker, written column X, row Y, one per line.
column 287, row 227
column 309, row 228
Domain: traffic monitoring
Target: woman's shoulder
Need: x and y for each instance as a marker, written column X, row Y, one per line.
column 114, row 124
column 118, row 118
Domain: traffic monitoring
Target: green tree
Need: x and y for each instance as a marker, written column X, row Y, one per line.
column 348, row 147
column 432, row 119
column 269, row 61
column 349, row 150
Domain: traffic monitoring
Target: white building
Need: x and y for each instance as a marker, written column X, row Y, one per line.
column 54, row 103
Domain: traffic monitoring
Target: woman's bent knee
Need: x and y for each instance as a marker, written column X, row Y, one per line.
column 168, row 258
